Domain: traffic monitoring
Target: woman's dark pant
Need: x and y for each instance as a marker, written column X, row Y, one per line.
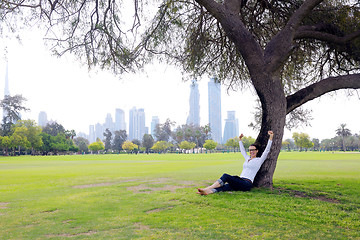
column 233, row 183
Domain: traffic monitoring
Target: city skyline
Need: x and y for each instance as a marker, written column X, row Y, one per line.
column 136, row 123
column 77, row 98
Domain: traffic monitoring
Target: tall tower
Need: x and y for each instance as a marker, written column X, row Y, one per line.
column 119, row 120
column 99, row 130
column 194, row 114
column 6, row 90
column 142, row 128
column 231, row 128
column 109, row 124
column 154, row 122
column 42, row 119
column 137, row 127
column 92, row 137
column 214, row 97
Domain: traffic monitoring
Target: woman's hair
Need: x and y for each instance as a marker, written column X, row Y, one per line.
column 255, row 145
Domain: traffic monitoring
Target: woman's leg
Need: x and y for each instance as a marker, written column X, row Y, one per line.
column 215, row 185
column 228, row 183
column 209, row 190
column 236, row 183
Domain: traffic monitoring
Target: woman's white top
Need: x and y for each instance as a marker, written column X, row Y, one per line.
column 251, row 167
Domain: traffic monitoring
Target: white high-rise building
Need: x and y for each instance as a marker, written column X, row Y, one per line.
column 215, row 121
column 154, row 122
column 231, row 128
column 120, row 119
column 6, row 89
column 142, row 129
column 109, row 124
column 42, row 119
column 137, row 127
column 194, row 101
column 92, row 137
column 99, row 130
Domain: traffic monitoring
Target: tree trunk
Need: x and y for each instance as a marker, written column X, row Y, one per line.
column 273, row 103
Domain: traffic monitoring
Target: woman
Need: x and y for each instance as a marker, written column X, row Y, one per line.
column 251, row 166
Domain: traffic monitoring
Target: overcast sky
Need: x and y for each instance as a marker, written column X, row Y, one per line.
column 77, row 98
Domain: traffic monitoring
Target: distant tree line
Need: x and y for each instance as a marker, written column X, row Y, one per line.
column 343, row 140
column 165, row 139
column 168, row 138
column 26, row 137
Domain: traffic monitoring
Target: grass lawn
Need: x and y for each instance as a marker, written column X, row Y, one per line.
column 315, row 196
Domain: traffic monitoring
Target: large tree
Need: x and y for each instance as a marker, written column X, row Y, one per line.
column 343, row 132
column 148, row 142
column 32, row 133
column 54, row 129
column 191, row 133
column 108, row 139
column 12, row 106
column 163, row 131
column 290, row 51
column 82, row 144
column 120, row 137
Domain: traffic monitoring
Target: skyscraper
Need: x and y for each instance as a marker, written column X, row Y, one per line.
column 92, row 137
column 6, row 89
column 214, row 97
column 42, row 119
column 142, row 129
column 194, row 101
column 154, row 122
column 119, row 120
column 137, row 127
column 99, row 130
column 231, row 128
column 109, row 124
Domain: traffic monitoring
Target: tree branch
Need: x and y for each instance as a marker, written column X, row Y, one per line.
column 236, row 31
column 278, row 49
column 314, row 32
column 216, row 9
column 320, row 88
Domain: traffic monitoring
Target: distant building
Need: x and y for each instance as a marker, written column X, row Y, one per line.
column 137, row 127
column 99, row 130
column 231, row 128
column 83, row 135
column 214, row 100
column 194, row 101
column 6, row 89
column 42, row 120
column 92, row 136
column 109, row 124
column 142, row 129
column 154, row 122
column 119, row 120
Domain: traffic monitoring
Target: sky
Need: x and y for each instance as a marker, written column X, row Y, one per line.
column 75, row 97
